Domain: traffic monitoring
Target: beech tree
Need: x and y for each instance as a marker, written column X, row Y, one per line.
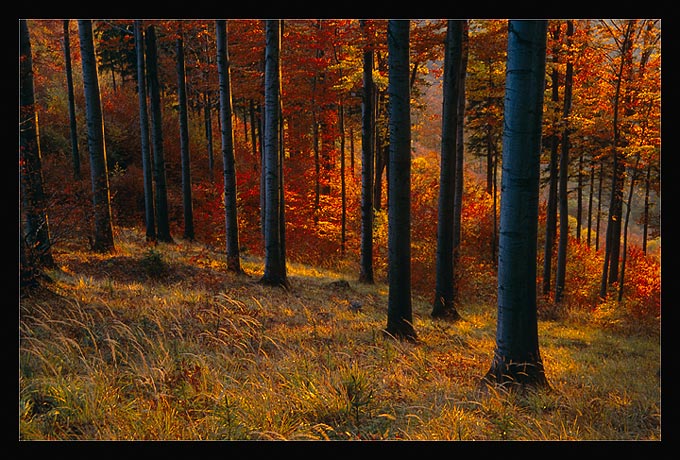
column 230, row 208
column 275, row 256
column 101, row 199
column 184, row 139
column 149, row 213
column 75, row 154
column 516, row 358
column 399, row 311
column 36, row 244
column 161, row 192
column 367, row 158
column 444, row 289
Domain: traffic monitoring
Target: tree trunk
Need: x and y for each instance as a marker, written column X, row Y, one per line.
column 367, row 158
column 207, row 115
column 551, row 217
column 157, row 137
column 343, row 184
column 517, row 360
column 460, row 152
column 101, row 200
column 561, row 271
column 275, row 261
column 230, row 189
column 75, row 154
column 36, row 236
column 444, row 287
column 590, row 202
column 184, row 141
column 399, row 314
column 629, row 204
column 147, row 167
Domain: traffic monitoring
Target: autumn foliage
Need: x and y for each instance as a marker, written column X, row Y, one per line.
column 321, row 70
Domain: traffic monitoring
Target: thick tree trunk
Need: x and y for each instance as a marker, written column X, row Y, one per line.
column 103, row 230
column 275, row 261
column 75, row 154
column 161, row 194
column 367, row 159
column 460, row 154
column 517, row 360
column 444, row 287
column 36, row 235
column 185, row 154
column 399, row 314
column 230, row 188
column 147, row 167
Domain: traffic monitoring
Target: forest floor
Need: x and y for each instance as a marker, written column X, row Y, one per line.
column 161, row 343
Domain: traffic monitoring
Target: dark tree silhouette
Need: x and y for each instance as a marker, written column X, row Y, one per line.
column 226, row 114
column 147, row 167
column 161, row 192
column 367, row 146
column 75, row 154
column 516, row 358
column 101, row 199
column 35, row 237
column 444, row 288
column 185, row 154
column 399, row 312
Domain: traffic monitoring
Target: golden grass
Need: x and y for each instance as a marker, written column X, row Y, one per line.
column 162, row 343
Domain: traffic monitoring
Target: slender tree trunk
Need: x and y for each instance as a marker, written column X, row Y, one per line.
column 343, row 185
column 207, row 115
column 517, row 359
column 184, row 141
column 579, row 197
column 367, row 158
column 564, row 177
column 444, row 288
column 613, row 235
column 629, row 204
column 590, row 201
column 230, row 187
column 101, row 200
column 599, row 206
column 147, row 167
column 551, row 217
column 645, row 218
column 75, row 154
column 161, row 195
column 275, row 261
column 460, row 154
column 36, row 235
column 399, row 314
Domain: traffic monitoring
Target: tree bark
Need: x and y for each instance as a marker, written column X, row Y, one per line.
column 444, row 287
column 230, row 186
column 161, row 195
column 147, row 166
column 185, row 154
column 367, row 159
column 275, row 261
column 399, row 313
column 561, row 271
column 75, row 154
column 36, row 234
column 101, row 200
column 517, row 359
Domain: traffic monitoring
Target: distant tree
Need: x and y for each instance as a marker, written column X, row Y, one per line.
column 36, row 233
column 75, row 154
column 161, row 192
column 275, row 256
column 226, row 115
column 101, row 199
column 367, row 158
column 184, row 138
column 399, row 314
column 147, row 167
column 516, row 358
column 444, row 288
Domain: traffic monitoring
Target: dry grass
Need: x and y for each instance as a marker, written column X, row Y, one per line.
column 162, row 343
